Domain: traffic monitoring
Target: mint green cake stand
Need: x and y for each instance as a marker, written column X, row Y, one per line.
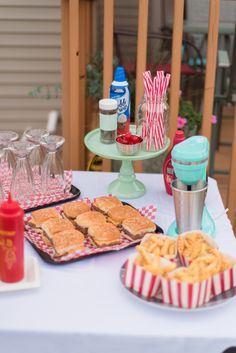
column 126, row 186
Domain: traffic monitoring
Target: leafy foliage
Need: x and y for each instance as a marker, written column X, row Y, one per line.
column 194, row 118
column 94, row 75
column 46, row 91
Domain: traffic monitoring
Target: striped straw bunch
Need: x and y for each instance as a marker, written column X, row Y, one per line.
column 153, row 128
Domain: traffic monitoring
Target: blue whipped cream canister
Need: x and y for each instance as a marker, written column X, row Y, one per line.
column 119, row 91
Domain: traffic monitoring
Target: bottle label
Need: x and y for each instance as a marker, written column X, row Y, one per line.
column 122, row 96
column 108, row 122
column 8, row 233
column 170, row 173
column 8, row 252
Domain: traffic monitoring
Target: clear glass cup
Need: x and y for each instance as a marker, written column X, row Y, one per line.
column 6, row 137
column 153, row 122
column 22, row 184
column 1, row 188
column 52, row 170
column 7, row 159
column 38, row 154
column 1, row 193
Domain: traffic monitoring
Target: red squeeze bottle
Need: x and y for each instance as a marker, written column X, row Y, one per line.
column 168, row 170
column 11, row 241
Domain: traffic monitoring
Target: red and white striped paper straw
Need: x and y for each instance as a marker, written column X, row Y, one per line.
column 153, row 124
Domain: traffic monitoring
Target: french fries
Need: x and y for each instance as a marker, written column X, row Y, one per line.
column 155, row 252
column 203, row 267
column 152, row 262
column 160, row 245
column 194, row 245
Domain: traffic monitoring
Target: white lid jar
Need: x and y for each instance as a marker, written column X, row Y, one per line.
column 108, row 120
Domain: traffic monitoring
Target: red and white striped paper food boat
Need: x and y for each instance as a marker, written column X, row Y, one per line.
column 185, row 261
column 140, row 280
column 184, row 294
column 224, row 281
column 162, row 236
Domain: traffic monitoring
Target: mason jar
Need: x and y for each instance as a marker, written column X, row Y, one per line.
column 153, row 122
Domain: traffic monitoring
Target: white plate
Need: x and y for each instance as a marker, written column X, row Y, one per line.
column 30, row 280
column 214, row 303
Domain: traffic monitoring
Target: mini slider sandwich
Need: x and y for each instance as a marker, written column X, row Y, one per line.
column 67, row 242
column 118, row 214
column 105, row 203
column 87, row 219
column 105, row 234
column 40, row 216
column 73, row 209
column 136, row 227
column 54, row 226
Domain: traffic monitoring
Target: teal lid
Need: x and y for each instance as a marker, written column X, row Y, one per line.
column 193, row 149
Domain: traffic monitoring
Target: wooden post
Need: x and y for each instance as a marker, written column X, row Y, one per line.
column 141, row 50
column 176, row 64
column 213, row 27
column 107, row 57
column 141, row 59
column 77, row 148
column 65, row 81
column 231, row 198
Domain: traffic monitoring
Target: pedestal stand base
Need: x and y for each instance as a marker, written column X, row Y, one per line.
column 127, row 191
column 127, row 186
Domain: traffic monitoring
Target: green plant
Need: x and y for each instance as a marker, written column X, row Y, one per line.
column 94, row 75
column 189, row 119
column 46, row 91
column 94, row 79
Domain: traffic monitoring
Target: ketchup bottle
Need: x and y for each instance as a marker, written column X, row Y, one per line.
column 11, row 241
column 168, row 170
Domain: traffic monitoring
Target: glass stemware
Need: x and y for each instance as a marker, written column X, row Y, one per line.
column 22, row 184
column 52, row 171
column 1, row 189
column 38, row 154
column 7, row 159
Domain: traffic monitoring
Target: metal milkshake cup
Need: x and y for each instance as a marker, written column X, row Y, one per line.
column 189, row 205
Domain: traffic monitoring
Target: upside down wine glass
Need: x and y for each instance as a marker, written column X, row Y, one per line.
column 52, row 170
column 22, row 185
column 38, row 154
column 7, row 159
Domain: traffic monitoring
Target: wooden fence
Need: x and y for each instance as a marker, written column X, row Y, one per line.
column 76, row 47
column 76, row 19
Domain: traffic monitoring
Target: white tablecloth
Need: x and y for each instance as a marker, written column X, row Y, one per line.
column 83, row 308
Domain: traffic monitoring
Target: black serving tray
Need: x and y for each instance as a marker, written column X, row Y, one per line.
column 47, row 258
column 74, row 191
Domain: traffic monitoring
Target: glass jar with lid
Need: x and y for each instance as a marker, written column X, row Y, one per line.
column 108, row 120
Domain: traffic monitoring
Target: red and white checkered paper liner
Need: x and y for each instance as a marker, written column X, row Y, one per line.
column 39, row 199
column 36, row 239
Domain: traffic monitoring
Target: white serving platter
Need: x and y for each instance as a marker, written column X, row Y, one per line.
column 157, row 303
column 30, row 280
